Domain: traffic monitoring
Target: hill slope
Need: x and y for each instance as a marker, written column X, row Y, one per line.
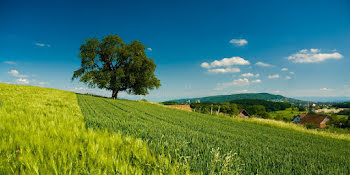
column 210, row 144
column 228, row 98
column 42, row 131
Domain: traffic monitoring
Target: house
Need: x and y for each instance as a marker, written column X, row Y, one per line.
column 243, row 114
column 297, row 118
column 319, row 120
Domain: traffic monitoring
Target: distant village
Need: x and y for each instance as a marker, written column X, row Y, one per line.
column 314, row 115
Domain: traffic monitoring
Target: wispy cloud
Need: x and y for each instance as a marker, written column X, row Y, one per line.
column 284, row 69
column 313, row 56
column 225, row 62
column 273, row 76
column 256, row 81
column 10, row 62
column 224, row 70
column 250, row 75
column 288, row 78
column 237, row 82
column 325, row 89
column 263, row 64
column 149, row 49
column 239, row 42
column 42, row 45
column 292, row 73
column 15, row 73
column 22, row 81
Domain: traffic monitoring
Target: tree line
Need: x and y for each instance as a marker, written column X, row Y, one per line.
column 259, row 108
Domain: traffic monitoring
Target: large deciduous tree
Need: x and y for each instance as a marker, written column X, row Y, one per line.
column 116, row 66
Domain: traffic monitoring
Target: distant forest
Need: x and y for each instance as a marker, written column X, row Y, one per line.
column 342, row 105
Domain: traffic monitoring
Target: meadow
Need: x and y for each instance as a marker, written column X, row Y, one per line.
column 42, row 131
column 47, row 131
column 212, row 144
column 285, row 115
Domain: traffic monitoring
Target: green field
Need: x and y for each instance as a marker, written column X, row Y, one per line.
column 217, row 144
column 42, row 131
column 286, row 115
column 47, row 131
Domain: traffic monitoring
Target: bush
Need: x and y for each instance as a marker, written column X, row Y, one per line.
column 310, row 126
column 301, row 108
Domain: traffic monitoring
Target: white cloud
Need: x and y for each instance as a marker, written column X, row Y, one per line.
column 256, row 81
column 149, row 49
column 15, row 73
column 273, row 76
column 263, row 64
column 288, row 78
column 250, row 75
column 10, row 62
column 225, row 62
column 284, row 69
column 239, row 42
column 313, row 56
column 224, row 70
column 205, row 65
column 292, row 73
column 238, row 82
column 325, row 89
column 22, row 81
column 42, row 45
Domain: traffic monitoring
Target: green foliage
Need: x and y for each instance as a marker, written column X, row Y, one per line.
column 226, row 108
column 344, row 112
column 301, row 108
column 269, row 105
column 193, row 138
column 340, row 121
column 42, row 131
column 114, row 65
column 342, row 105
column 171, row 103
column 310, row 126
column 286, row 115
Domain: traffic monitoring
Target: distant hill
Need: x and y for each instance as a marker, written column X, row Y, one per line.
column 228, row 98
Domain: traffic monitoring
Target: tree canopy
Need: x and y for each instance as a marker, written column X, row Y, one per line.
column 114, row 65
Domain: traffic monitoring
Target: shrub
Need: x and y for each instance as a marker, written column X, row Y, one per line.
column 310, row 126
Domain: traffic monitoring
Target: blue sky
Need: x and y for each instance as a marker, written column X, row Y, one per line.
column 201, row 48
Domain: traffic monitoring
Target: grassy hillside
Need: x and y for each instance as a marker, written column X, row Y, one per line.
column 42, row 131
column 217, row 144
column 228, row 98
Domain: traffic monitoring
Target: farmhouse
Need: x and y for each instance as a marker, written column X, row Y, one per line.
column 243, row 114
column 298, row 118
column 319, row 120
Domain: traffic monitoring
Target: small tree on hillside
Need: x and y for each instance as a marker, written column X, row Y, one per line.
column 116, row 66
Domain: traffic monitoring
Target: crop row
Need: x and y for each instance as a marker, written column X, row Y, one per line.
column 216, row 144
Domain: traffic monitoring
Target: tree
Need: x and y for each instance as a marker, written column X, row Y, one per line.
column 116, row 66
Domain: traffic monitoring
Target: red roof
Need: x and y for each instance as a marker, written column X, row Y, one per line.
column 312, row 118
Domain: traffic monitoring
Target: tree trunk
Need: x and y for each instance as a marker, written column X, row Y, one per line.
column 114, row 94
